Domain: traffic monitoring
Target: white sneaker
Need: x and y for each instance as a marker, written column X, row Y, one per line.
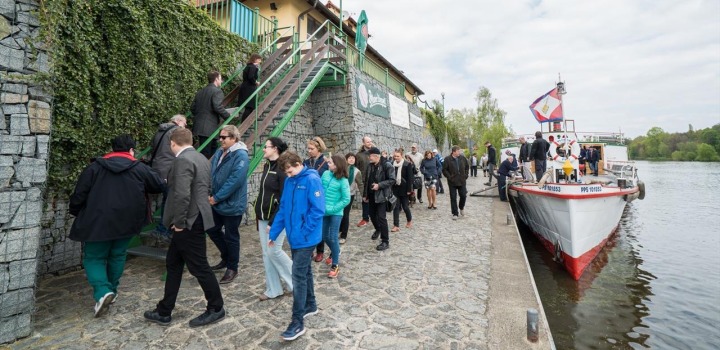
column 455, row 217
column 342, row 240
column 462, row 212
column 103, row 304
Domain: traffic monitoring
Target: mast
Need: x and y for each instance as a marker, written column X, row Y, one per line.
column 561, row 91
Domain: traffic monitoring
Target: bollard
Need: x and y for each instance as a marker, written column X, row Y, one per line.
column 509, row 219
column 532, row 325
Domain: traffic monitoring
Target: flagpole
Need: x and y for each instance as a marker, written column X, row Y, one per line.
column 561, row 91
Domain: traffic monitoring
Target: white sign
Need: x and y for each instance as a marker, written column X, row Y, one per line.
column 399, row 114
column 416, row 120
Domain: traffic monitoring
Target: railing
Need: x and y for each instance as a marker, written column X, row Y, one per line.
column 375, row 70
column 237, row 18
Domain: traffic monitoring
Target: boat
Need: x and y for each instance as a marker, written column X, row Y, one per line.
column 572, row 212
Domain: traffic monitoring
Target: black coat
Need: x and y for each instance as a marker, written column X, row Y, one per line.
column 271, row 187
column 539, row 149
column 456, row 175
column 249, row 84
column 525, row 152
column 109, row 199
column 506, row 167
column 407, row 175
column 207, row 110
column 492, row 155
column 383, row 174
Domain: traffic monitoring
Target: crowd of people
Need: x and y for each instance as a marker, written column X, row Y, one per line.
column 306, row 202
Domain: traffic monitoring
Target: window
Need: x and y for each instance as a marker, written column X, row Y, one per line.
column 313, row 25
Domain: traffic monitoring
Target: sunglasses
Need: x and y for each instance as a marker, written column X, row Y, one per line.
column 221, row 137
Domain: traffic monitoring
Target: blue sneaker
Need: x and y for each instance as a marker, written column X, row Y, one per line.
column 294, row 330
column 311, row 312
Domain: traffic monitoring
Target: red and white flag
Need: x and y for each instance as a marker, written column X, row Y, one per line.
column 548, row 107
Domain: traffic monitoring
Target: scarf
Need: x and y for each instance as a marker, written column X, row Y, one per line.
column 398, row 171
column 352, row 175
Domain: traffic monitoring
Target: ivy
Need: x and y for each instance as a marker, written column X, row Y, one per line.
column 124, row 66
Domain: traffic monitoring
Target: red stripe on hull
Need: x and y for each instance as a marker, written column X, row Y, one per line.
column 576, row 266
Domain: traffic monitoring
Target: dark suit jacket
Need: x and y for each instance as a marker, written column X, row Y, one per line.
column 207, row 111
column 455, row 176
column 188, row 191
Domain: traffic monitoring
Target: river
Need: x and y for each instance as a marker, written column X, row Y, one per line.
column 657, row 282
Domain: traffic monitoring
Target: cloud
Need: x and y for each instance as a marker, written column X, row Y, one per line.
column 628, row 65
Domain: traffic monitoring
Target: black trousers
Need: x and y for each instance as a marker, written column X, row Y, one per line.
column 189, row 247
column 454, row 191
column 378, row 218
column 210, row 149
column 345, row 223
column 403, row 203
column 473, row 171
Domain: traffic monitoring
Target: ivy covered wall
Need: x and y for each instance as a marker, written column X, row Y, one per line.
column 123, row 66
column 118, row 66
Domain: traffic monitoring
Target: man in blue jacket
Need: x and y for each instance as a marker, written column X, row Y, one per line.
column 302, row 207
column 228, row 172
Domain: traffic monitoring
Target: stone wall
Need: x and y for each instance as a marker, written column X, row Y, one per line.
column 24, row 138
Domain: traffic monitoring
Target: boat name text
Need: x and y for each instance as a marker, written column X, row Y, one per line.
column 552, row 188
column 591, row 189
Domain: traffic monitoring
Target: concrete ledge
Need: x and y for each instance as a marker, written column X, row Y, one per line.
column 512, row 288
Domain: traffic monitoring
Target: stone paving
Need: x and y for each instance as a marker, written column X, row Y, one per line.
column 428, row 291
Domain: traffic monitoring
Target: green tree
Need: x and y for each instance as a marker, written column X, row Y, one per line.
column 706, row 153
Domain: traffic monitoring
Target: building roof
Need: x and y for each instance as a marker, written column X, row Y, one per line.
column 349, row 31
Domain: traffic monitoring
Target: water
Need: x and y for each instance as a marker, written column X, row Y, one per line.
column 657, row 283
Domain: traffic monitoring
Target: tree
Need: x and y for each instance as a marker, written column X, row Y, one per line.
column 706, row 153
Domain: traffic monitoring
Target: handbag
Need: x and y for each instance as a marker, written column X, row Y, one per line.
column 390, row 202
column 417, row 182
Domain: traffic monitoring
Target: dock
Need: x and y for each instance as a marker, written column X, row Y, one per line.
column 443, row 284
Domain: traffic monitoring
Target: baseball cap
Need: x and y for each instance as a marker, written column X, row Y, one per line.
column 374, row 150
column 435, row 151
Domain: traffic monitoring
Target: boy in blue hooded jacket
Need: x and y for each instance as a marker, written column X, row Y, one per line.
column 302, row 207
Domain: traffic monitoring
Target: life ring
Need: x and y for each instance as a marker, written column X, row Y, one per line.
column 574, row 148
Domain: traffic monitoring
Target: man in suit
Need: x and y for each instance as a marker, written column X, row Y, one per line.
column 188, row 215
column 207, row 112
column 456, row 170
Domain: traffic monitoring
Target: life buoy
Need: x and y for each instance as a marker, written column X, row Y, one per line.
column 574, row 148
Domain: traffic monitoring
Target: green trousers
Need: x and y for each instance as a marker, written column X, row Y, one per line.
column 104, row 264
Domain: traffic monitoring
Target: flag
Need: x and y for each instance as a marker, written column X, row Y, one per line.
column 548, row 107
column 361, row 32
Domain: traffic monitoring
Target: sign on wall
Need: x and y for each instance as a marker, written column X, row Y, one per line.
column 416, row 120
column 399, row 114
column 370, row 98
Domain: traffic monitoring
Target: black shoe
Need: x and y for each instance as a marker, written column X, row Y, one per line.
column 219, row 266
column 228, row 277
column 155, row 317
column 207, row 318
column 375, row 235
column 420, row 201
column 382, row 246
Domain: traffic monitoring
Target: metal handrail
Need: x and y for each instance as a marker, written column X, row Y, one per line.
column 297, row 51
column 273, row 44
column 374, row 70
column 220, row 11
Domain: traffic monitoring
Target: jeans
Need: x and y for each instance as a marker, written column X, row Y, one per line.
column 331, row 225
column 345, row 223
column 502, row 181
column 278, row 266
column 404, row 204
column 439, row 184
column 491, row 172
column 104, row 263
column 377, row 216
column 188, row 247
column 229, row 243
column 539, row 168
column 454, row 190
column 303, row 287
column 160, row 227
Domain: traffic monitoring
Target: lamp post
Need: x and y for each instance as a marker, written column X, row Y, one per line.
column 443, row 114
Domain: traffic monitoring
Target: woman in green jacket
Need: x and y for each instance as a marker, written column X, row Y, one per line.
column 337, row 196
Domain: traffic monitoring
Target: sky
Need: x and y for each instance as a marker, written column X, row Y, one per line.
column 628, row 65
